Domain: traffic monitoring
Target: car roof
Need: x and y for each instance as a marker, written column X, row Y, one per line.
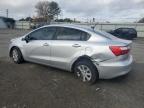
column 80, row 27
column 125, row 28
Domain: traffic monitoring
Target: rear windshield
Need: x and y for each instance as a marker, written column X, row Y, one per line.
column 101, row 33
column 105, row 34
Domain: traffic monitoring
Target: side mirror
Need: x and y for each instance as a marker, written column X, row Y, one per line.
column 27, row 39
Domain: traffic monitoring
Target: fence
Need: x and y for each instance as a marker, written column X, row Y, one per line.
column 112, row 26
column 101, row 26
column 23, row 25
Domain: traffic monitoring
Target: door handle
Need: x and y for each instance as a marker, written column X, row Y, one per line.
column 76, row 45
column 45, row 44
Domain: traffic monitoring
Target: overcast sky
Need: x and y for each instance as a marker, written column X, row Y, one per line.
column 102, row 10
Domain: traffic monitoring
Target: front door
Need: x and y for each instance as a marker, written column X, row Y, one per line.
column 38, row 49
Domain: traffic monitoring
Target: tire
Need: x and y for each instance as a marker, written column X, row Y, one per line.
column 16, row 55
column 86, row 71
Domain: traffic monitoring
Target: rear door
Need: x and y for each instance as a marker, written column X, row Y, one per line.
column 67, row 45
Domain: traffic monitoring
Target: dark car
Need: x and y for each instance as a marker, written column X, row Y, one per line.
column 124, row 33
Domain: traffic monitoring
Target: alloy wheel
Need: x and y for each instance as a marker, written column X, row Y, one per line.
column 84, row 73
column 15, row 55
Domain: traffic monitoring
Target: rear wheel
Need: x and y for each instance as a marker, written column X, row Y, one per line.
column 16, row 55
column 86, row 71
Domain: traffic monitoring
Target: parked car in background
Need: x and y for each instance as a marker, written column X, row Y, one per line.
column 90, row 54
column 124, row 33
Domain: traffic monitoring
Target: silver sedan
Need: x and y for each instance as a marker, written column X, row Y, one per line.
column 89, row 53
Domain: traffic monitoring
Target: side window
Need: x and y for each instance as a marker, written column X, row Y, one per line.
column 36, row 35
column 118, row 31
column 85, row 36
column 125, row 30
column 71, row 34
column 46, row 33
column 132, row 31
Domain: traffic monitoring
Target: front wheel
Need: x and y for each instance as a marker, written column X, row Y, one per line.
column 86, row 71
column 16, row 55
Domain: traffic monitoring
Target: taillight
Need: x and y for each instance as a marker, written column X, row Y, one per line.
column 119, row 50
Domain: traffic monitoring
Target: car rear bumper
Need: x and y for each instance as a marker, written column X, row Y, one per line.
column 108, row 70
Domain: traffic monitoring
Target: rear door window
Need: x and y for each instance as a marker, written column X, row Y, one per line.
column 71, row 34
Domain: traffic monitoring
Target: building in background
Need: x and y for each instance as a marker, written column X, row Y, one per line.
column 7, row 22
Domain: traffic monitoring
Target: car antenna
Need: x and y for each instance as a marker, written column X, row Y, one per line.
column 93, row 26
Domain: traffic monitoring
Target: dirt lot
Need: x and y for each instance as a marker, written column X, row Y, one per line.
column 31, row 85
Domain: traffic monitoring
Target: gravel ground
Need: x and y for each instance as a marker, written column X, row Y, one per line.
column 31, row 85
